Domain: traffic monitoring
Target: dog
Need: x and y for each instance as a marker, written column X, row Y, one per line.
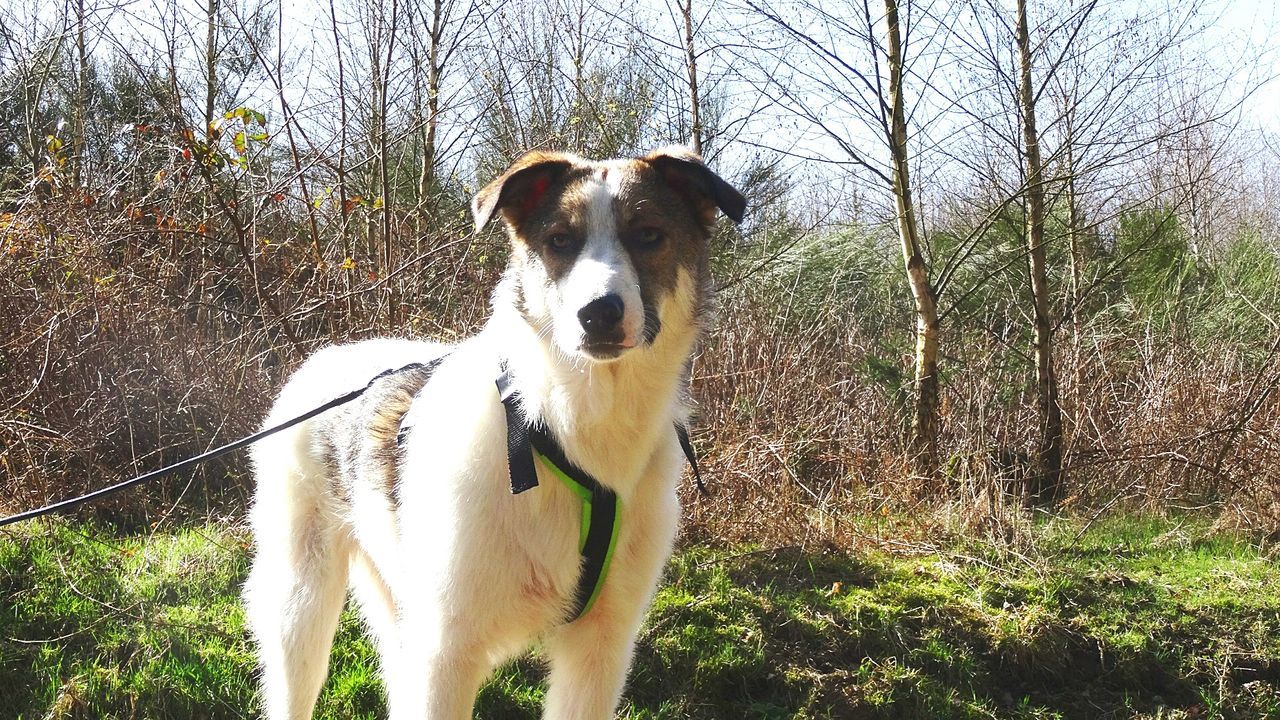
column 405, row 496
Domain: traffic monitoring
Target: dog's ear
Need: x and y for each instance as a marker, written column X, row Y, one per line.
column 684, row 171
column 518, row 190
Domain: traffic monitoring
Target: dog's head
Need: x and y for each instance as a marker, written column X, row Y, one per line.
column 602, row 251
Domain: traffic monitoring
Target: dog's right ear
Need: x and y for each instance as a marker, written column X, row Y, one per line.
column 521, row 188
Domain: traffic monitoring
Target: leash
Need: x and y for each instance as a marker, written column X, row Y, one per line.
column 598, row 534
column 216, row 452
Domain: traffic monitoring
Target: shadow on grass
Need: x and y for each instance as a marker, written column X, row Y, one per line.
column 99, row 627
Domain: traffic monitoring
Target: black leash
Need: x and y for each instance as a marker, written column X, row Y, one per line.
column 682, row 433
column 516, row 439
column 184, row 464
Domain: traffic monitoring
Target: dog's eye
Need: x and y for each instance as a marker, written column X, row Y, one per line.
column 649, row 237
column 560, row 241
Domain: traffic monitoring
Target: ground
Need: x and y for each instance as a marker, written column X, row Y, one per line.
column 1133, row 618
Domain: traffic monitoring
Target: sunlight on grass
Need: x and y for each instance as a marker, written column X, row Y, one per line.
column 1139, row 618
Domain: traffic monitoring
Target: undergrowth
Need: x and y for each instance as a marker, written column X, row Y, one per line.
column 1137, row 618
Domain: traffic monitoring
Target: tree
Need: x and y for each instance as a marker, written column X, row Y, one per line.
column 1101, row 72
column 691, row 66
column 569, row 88
column 869, row 89
column 1048, row 479
column 924, row 424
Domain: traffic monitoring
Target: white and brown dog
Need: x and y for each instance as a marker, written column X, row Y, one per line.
column 594, row 321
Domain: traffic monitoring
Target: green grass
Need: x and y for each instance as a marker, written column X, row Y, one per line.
column 1138, row 619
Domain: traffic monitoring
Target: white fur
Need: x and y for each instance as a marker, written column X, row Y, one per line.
column 464, row 575
column 602, row 268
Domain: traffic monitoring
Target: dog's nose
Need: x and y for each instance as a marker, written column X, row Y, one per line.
column 601, row 315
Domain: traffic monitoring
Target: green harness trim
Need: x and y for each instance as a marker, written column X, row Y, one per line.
column 585, row 532
column 598, row 532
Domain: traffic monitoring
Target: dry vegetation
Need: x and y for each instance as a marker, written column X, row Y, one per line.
column 168, row 252
column 800, row 433
column 133, row 345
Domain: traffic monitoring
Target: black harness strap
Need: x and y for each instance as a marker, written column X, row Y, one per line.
column 600, row 504
column 599, row 517
column 599, row 528
column 520, row 461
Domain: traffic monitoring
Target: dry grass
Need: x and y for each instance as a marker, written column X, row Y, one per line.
column 134, row 340
column 800, row 438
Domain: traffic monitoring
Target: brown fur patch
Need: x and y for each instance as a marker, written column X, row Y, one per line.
column 563, row 211
column 364, row 435
column 645, row 203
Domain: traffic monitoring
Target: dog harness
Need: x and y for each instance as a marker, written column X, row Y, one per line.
column 598, row 532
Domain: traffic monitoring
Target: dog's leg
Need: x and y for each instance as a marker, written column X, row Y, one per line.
column 445, row 652
column 378, row 609
column 293, row 607
column 298, row 582
column 440, row 672
column 589, row 661
column 590, row 656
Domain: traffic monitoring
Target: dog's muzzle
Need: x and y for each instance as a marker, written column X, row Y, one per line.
column 602, row 326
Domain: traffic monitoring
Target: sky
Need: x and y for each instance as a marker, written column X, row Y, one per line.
column 1254, row 26
column 1234, row 29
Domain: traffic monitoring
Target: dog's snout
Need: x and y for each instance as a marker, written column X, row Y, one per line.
column 602, row 315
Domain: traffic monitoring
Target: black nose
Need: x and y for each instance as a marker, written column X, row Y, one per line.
column 601, row 315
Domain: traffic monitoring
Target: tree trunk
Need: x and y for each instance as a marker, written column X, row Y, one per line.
column 1046, row 483
column 81, row 110
column 348, row 250
column 384, row 161
column 210, row 66
column 210, row 96
column 579, row 59
column 426, row 177
column 924, row 424
column 1077, row 263
column 691, row 65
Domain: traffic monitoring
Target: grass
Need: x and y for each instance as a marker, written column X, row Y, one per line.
column 1138, row 618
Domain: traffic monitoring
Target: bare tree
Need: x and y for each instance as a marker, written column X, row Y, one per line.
column 856, row 58
column 80, row 109
column 575, row 88
column 211, row 80
column 683, row 50
column 1047, row 484
column 924, row 425
column 1089, row 86
column 691, row 66
column 432, row 121
column 434, row 41
column 33, row 51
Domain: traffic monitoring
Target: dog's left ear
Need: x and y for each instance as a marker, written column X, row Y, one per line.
column 685, row 172
column 521, row 188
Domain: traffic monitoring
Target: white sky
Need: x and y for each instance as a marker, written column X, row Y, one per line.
column 1247, row 27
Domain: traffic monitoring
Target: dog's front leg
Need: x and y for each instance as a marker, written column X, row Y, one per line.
column 589, row 661
column 442, row 659
column 590, row 656
column 438, row 679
